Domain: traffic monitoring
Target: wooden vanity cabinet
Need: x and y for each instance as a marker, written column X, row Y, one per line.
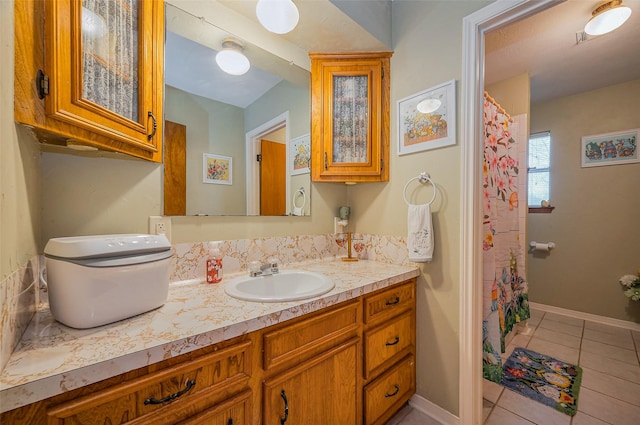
column 389, row 351
column 312, row 368
column 90, row 73
column 204, row 385
column 350, row 363
column 350, row 117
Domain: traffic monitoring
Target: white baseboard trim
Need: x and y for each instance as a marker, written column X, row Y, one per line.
column 433, row 410
column 587, row 316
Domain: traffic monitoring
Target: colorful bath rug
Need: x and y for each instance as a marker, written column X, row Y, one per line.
column 544, row 379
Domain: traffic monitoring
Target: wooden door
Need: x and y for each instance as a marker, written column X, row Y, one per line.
column 319, row 391
column 273, row 175
column 175, row 168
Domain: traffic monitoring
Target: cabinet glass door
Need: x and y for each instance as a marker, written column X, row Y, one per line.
column 110, row 55
column 350, row 119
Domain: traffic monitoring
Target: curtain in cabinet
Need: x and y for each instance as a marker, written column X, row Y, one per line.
column 110, row 55
column 505, row 292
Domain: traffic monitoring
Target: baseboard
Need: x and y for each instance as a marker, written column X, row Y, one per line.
column 587, row 316
column 434, row 411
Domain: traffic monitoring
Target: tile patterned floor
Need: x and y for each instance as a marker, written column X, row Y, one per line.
column 610, row 391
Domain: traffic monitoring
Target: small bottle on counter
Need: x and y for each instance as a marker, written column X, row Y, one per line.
column 214, row 263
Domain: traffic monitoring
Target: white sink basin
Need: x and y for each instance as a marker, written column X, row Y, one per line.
column 288, row 285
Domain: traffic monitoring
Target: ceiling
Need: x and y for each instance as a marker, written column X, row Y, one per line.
column 190, row 65
column 545, row 46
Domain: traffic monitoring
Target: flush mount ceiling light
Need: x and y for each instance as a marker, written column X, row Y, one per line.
column 607, row 17
column 428, row 105
column 278, row 16
column 231, row 59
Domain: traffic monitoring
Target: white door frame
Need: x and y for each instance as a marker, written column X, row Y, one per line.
column 253, row 168
column 474, row 26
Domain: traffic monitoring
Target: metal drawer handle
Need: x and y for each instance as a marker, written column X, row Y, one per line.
column 394, row 393
column 394, row 302
column 230, row 421
column 190, row 384
column 394, row 342
column 154, row 127
column 286, row 408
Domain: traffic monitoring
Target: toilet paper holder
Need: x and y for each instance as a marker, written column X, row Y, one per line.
column 537, row 246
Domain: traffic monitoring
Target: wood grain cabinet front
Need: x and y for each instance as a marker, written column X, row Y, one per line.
column 90, row 73
column 350, row 117
column 163, row 397
column 389, row 351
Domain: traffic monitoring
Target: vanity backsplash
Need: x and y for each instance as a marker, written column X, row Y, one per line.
column 20, row 294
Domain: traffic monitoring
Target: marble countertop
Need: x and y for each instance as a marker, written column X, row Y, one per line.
column 52, row 358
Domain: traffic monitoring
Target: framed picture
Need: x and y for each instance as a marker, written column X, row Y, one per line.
column 300, row 154
column 427, row 120
column 620, row 147
column 217, row 169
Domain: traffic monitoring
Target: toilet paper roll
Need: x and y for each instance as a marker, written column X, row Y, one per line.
column 541, row 247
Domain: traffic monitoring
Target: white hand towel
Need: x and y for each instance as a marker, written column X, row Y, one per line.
column 420, row 236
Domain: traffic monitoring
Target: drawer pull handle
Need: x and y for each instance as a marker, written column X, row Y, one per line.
column 394, row 302
column 230, row 421
column 286, row 408
column 394, row 393
column 394, row 342
column 154, row 127
column 190, row 384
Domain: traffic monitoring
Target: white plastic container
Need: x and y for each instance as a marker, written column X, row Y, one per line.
column 95, row 280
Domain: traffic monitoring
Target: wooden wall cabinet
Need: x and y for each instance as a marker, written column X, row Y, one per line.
column 350, row 117
column 90, row 73
column 351, row 363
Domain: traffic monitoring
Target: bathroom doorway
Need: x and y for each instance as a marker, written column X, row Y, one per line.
column 475, row 26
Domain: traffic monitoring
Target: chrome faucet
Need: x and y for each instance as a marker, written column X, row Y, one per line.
column 266, row 269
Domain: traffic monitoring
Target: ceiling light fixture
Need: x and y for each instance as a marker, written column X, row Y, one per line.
column 428, row 105
column 278, row 16
column 607, row 17
column 231, row 59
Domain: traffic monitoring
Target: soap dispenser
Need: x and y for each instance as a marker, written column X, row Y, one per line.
column 214, row 263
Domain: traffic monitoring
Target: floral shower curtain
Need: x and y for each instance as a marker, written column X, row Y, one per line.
column 505, row 292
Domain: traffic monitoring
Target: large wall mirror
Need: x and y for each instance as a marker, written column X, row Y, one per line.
column 218, row 125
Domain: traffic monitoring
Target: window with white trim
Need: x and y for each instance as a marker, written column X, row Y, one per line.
column 538, row 168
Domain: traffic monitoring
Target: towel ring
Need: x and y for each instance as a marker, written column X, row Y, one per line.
column 423, row 178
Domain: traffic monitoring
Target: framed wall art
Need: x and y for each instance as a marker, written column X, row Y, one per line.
column 217, row 169
column 620, row 147
column 427, row 120
column 300, row 154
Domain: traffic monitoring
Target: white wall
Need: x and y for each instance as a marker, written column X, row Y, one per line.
column 19, row 167
column 427, row 41
column 595, row 223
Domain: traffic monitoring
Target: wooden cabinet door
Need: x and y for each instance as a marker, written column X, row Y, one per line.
column 350, row 117
column 103, row 59
column 319, row 391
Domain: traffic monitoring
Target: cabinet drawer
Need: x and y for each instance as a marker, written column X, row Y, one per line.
column 305, row 338
column 384, row 396
column 389, row 302
column 387, row 341
column 166, row 395
column 236, row 411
